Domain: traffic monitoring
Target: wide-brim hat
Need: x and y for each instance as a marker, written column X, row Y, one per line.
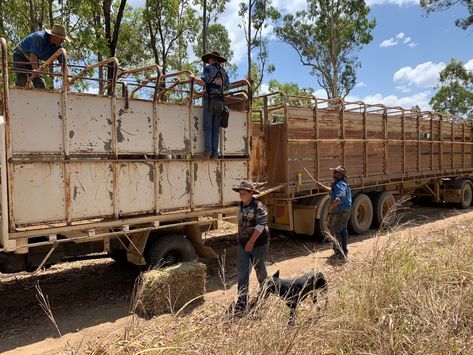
column 214, row 54
column 340, row 169
column 246, row 185
column 58, row 31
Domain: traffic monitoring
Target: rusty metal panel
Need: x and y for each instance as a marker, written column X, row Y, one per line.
column 207, row 182
column 90, row 124
column 173, row 128
column 38, row 195
column 235, row 136
column 233, row 172
column 174, row 184
column 36, row 121
column 135, row 127
column 91, row 189
column 135, row 187
column 197, row 123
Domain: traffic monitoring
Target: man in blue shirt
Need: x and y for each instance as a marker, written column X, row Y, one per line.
column 215, row 80
column 40, row 45
column 339, row 210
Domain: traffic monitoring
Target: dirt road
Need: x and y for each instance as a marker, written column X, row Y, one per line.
column 90, row 298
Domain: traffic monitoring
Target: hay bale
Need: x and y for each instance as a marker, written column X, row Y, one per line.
column 167, row 290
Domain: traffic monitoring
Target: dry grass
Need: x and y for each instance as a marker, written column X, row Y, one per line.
column 414, row 295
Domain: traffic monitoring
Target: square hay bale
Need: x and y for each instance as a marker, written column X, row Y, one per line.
column 167, row 290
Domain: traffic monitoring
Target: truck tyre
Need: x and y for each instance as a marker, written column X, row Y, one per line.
column 384, row 209
column 321, row 224
column 168, row 250
column 466, row 194
column 361, row 214
column 119, row 256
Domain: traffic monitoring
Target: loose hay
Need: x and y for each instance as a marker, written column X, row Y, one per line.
column 168, row 290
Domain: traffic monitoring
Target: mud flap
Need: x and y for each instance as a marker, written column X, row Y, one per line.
column 194, row 234
column 134, row 253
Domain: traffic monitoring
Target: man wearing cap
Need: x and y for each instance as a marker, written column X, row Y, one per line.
column 215, row 80
column 39, row 45
column 339, row 210
column 253, row 241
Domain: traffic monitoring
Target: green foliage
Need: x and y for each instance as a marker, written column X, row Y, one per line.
column 455, row 93
column 442, row 5
column 327, row 36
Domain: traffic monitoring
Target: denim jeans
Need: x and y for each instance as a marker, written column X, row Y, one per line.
column 338, row 227
column 22, row 78
column 245, row 262
column 212, row 118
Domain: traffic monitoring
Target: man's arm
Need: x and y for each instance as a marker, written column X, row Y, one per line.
column 261, row 222
column 34, row 65
column 323, row 187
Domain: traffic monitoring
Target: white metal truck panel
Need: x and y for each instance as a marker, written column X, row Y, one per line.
column 174, row 185
column 173, row 128
column 91, row 189
column 38, row 194
column 197, row 124
column 235, row 135
column 135, row 127
column 36, row 121
column 135, row 187
column 207, row 182
column 233, row 173
column 90, row 124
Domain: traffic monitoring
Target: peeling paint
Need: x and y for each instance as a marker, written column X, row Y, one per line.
column 59, row 116
column 110, row 195
column 161, row 142
column 71, row 134
column 186, row 144
column 121, row 112
column 218, row 177
column 245, row 139
column 160, row 188
column 161, row 168
column 109, row 121
column 120, row 137
column 196, row 123
column 107, row 145
column 196, row 169
column 110, row 168
column 151, row 173
column 188, row 181
column 76, row 192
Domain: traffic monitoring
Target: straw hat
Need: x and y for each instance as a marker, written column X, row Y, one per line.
column 58, row 31
column 246, row 185
column 214, row 54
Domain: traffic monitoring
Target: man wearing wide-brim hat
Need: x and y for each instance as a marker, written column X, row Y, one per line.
column 215, row 82
column 253, row 241
column 339, row 210
column 39, row 45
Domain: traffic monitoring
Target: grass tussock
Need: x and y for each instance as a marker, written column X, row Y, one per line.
column 412, row 295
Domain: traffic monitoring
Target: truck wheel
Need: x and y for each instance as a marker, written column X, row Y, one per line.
column 466, row 194
column 384, row 208
column 361, row 214
column 119, row 256
column 321, row 224
column 168, row 250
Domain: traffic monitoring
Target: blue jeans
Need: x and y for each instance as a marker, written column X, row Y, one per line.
column 338, row 227
column 19, row 62
column 245, row 262
column 212, row 118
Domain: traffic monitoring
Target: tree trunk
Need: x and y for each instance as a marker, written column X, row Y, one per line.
column 204, row 32
column 249, row 42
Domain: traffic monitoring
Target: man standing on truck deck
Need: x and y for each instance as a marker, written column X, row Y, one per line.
column 215, row 81
column 339, row 210
column 39, row 45
column 253, row 241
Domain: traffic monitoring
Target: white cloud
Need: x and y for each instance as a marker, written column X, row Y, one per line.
column 404, row 89
column 264, row 88
column 421, row 99
column 423, row 75
column 394, row 41
column 404, row 3
column 361, row 84
column 469, row 65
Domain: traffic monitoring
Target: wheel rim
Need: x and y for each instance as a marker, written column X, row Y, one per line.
column 467, row 194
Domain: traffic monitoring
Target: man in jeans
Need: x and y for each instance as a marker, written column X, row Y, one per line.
column 339, row 210
column 215, row 79
column 253, row 242
column 39, row 45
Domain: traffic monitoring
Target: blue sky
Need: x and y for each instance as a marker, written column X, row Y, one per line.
column 399, row 67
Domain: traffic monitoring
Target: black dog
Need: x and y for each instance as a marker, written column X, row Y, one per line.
column 296, row 290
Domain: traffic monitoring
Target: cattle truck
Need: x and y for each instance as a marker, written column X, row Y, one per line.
column 389, row 152
column 119, row 169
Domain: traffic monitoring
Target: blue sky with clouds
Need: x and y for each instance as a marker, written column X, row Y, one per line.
column 399, row 67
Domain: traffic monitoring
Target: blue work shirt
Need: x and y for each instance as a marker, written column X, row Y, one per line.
column 341, row 191
column 39, row 44
column 219, row 83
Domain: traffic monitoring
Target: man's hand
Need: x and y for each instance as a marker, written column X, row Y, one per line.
column 249, row 246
